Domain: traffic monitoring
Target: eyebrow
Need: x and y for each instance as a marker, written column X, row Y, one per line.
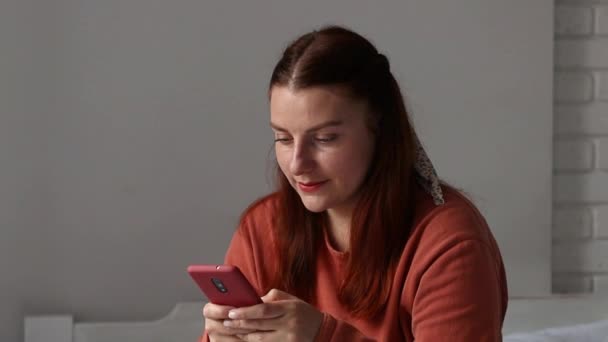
column 330, row 123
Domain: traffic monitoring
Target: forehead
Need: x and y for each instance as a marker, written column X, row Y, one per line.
column 312, row 105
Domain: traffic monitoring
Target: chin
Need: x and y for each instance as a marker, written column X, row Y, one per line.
column 313, row 205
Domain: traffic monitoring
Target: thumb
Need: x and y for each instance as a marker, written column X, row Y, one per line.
column 276, row 295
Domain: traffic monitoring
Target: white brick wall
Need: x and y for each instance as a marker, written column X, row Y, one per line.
column 601, row 20
column 601, row 215
column 572, row 20
column 576, row 155
column 572, row 223
column 580, row 215
column 573, row 86
column 587, row 120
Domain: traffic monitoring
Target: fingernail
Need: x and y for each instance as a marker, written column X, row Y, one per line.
column 232, row 314
column 227, row 323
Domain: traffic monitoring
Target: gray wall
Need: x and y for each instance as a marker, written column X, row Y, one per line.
column 137, row 133
column 24, row 109
column 580, row 217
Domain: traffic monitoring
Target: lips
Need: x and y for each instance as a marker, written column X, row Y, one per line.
column 310, row 186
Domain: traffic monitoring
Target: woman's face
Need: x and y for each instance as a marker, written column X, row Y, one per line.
column 323, row 145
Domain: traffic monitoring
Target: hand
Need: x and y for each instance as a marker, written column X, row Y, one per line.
column 214, row 319
column 282, row 317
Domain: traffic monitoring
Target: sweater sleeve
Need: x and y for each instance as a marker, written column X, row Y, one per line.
column 459, row 296
column 333, row 329
column 240, row 254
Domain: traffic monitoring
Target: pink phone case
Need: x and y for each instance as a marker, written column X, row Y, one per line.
column 224, row 285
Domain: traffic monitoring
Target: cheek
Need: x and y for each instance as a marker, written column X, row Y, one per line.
column 282, row 159
column 345, row 166
column 353, row 165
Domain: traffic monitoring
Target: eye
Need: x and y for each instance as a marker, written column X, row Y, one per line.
column 282, row 140
column 326, row 138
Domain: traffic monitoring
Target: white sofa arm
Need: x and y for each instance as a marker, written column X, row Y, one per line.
column 49, row 328
column 183, row 323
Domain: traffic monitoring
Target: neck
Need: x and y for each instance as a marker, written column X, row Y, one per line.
column 339, row 228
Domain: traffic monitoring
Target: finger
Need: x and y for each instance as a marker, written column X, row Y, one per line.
column 276, row 295
column 258, row 311
column 256, row 325
column 214, row 311
column 224, row 338
column 217, row 327
column 256, row 336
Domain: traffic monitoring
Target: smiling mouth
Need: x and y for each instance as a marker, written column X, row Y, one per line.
column 310, row 187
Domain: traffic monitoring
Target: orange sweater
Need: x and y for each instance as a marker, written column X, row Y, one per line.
column 450, row 283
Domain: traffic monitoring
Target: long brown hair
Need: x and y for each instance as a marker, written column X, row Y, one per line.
column 381, row 220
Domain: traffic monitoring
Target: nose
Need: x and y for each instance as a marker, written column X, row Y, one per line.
column 302, row 160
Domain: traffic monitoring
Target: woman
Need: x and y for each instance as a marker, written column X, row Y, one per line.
column 360, row 242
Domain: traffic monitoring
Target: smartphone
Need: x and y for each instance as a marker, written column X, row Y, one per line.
column 224, row 285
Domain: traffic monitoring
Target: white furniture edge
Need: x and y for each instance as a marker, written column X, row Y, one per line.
column 529, row 314
column 185, row 323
